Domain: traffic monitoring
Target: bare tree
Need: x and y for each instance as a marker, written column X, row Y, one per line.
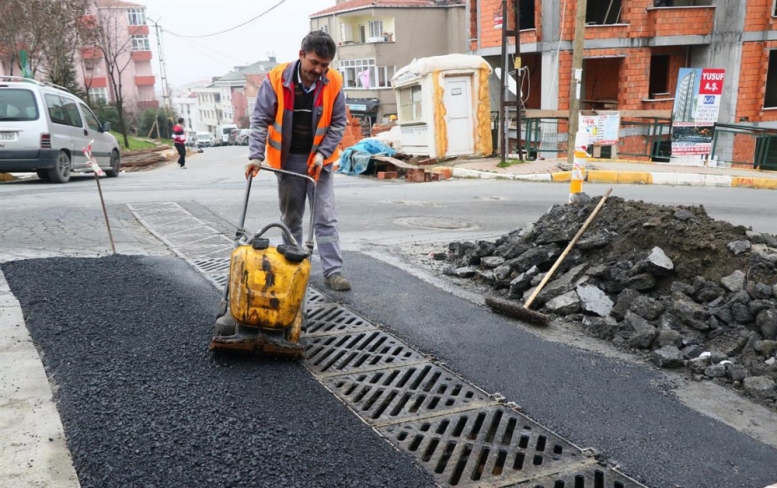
column 66, row 28
column 111, row 38
column 14, row 24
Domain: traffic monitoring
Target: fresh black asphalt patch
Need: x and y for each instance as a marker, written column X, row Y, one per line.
column 144, row 404
column 592, row 400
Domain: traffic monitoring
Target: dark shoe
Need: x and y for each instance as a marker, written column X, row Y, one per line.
column 337, row 282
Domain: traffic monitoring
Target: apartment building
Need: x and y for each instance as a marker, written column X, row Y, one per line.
column 126, row 23
column 635, row 48
column 377, row 37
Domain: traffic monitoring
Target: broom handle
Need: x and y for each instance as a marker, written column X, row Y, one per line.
column 571, row 244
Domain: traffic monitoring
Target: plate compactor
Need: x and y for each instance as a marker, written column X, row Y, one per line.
column 263, row 309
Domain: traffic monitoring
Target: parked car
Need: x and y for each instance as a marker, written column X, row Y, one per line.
column 232, row 139
column 222, row 134
column 242, row 137
column 44, row 129
column 203, row 139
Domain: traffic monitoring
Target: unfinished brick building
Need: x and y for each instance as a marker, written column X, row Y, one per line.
column 634, row 49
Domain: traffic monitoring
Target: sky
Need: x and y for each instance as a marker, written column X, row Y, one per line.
column 188, row 59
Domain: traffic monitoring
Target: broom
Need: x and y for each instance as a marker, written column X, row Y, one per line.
column 513, row 309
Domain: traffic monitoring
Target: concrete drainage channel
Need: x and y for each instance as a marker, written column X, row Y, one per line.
column 456, row 431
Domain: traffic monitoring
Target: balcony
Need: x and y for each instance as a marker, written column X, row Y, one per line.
column 136, row 30
column 144, row 104
column 141, row 55
column 97, row 82
column 91, row 53
column 680, row 21
column 145, row 80
column 366, row 30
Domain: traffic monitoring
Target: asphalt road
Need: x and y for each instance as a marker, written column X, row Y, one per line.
column 110, row 397
column 618, row 408
column 144, row 404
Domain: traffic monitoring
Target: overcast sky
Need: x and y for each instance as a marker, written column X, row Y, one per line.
column 187, row 59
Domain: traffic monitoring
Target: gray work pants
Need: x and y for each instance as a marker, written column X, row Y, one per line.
column 292, row 194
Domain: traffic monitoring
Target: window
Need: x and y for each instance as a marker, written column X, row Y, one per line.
column 410, row 108
column 774, row 9
column 73, row 115
column 362, row 35
column 91, row 120
column 527, row 15
column 16, row 105
column 140, row 43
column 659, row 74
column 770, row 101
column 600, row 12
column 364, row 74
column 324, row 28
column 376, row 28
column 97, row 95
column 136, row 16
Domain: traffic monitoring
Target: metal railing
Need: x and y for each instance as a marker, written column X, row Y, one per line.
column 745, row 146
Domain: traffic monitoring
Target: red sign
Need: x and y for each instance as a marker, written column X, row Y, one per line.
column 711, row 82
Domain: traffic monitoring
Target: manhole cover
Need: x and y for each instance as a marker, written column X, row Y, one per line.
column 361, row 351
column 488, row 445
column 413, row 203
column 436, row 223
column 491, row 199
column 410, row 391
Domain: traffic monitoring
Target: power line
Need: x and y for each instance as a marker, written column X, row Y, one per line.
column 231, row 28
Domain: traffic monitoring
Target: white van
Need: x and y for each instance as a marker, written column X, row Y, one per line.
column 44, row 129
column 203, row 139
column 222, row 133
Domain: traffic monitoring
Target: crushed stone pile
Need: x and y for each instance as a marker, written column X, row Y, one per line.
column 687, row 290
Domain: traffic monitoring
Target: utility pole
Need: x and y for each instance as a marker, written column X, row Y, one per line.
column 504, row 106
column 162, row 68
column 576, row 79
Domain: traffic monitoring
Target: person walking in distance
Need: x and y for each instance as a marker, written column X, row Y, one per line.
column 297, row 124
column 179, row 138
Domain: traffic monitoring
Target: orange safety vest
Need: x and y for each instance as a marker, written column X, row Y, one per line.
column 326, row 97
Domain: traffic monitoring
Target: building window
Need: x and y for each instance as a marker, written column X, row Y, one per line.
column 136, row 16
column 770, row 101
column 97, row 95
column 363, row 74
column 140, row 43
column 324, row 28
column 527, row 15
column 376, row 28
column 774, row 9
column 600, row 12
column 410, row 108
column 659, row 75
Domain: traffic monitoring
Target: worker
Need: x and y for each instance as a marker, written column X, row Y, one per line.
column 179, row 139
column 297, row 124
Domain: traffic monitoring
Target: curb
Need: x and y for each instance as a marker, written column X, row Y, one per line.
column 632, row 178
column 34, row 450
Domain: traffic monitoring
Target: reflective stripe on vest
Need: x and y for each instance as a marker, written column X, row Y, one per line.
column 329, row 94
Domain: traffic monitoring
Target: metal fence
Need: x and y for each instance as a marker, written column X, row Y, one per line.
column 745, row 146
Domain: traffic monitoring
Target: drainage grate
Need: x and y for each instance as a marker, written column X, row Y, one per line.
column 596, row 477
column 334, row 319
column 386, row 396
column 490, row 445
column 212, row 265
column 315, row 299
column 347, row 353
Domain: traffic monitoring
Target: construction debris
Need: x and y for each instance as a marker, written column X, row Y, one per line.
column 670, row 282
column 144, row 159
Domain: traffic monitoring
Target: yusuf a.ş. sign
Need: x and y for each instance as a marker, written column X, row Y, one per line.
column 696, row 108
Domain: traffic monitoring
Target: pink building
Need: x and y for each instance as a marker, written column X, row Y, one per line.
column 125, row 23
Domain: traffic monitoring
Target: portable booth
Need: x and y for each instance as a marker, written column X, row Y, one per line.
column 444, row 106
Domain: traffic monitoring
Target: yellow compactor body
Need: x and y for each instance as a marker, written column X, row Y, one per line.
column 263, row 308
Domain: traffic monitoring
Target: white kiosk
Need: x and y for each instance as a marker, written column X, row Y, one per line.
column 444, row 106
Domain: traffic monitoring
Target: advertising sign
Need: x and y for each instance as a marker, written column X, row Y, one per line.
column 696, row 108
column 602, row 128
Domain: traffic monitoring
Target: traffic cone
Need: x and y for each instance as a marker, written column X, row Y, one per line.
column 578, row 167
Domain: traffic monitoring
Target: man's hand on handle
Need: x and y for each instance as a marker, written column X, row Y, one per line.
column 252, row 168
column 315, row 170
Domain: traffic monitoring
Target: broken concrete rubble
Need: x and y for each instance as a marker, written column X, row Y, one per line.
column 646, row 277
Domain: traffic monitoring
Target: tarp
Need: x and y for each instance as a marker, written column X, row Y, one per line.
column 356, row 159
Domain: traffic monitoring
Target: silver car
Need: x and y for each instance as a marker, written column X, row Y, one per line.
column 44, row 129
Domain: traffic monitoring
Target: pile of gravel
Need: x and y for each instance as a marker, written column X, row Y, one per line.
column 671, row 281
